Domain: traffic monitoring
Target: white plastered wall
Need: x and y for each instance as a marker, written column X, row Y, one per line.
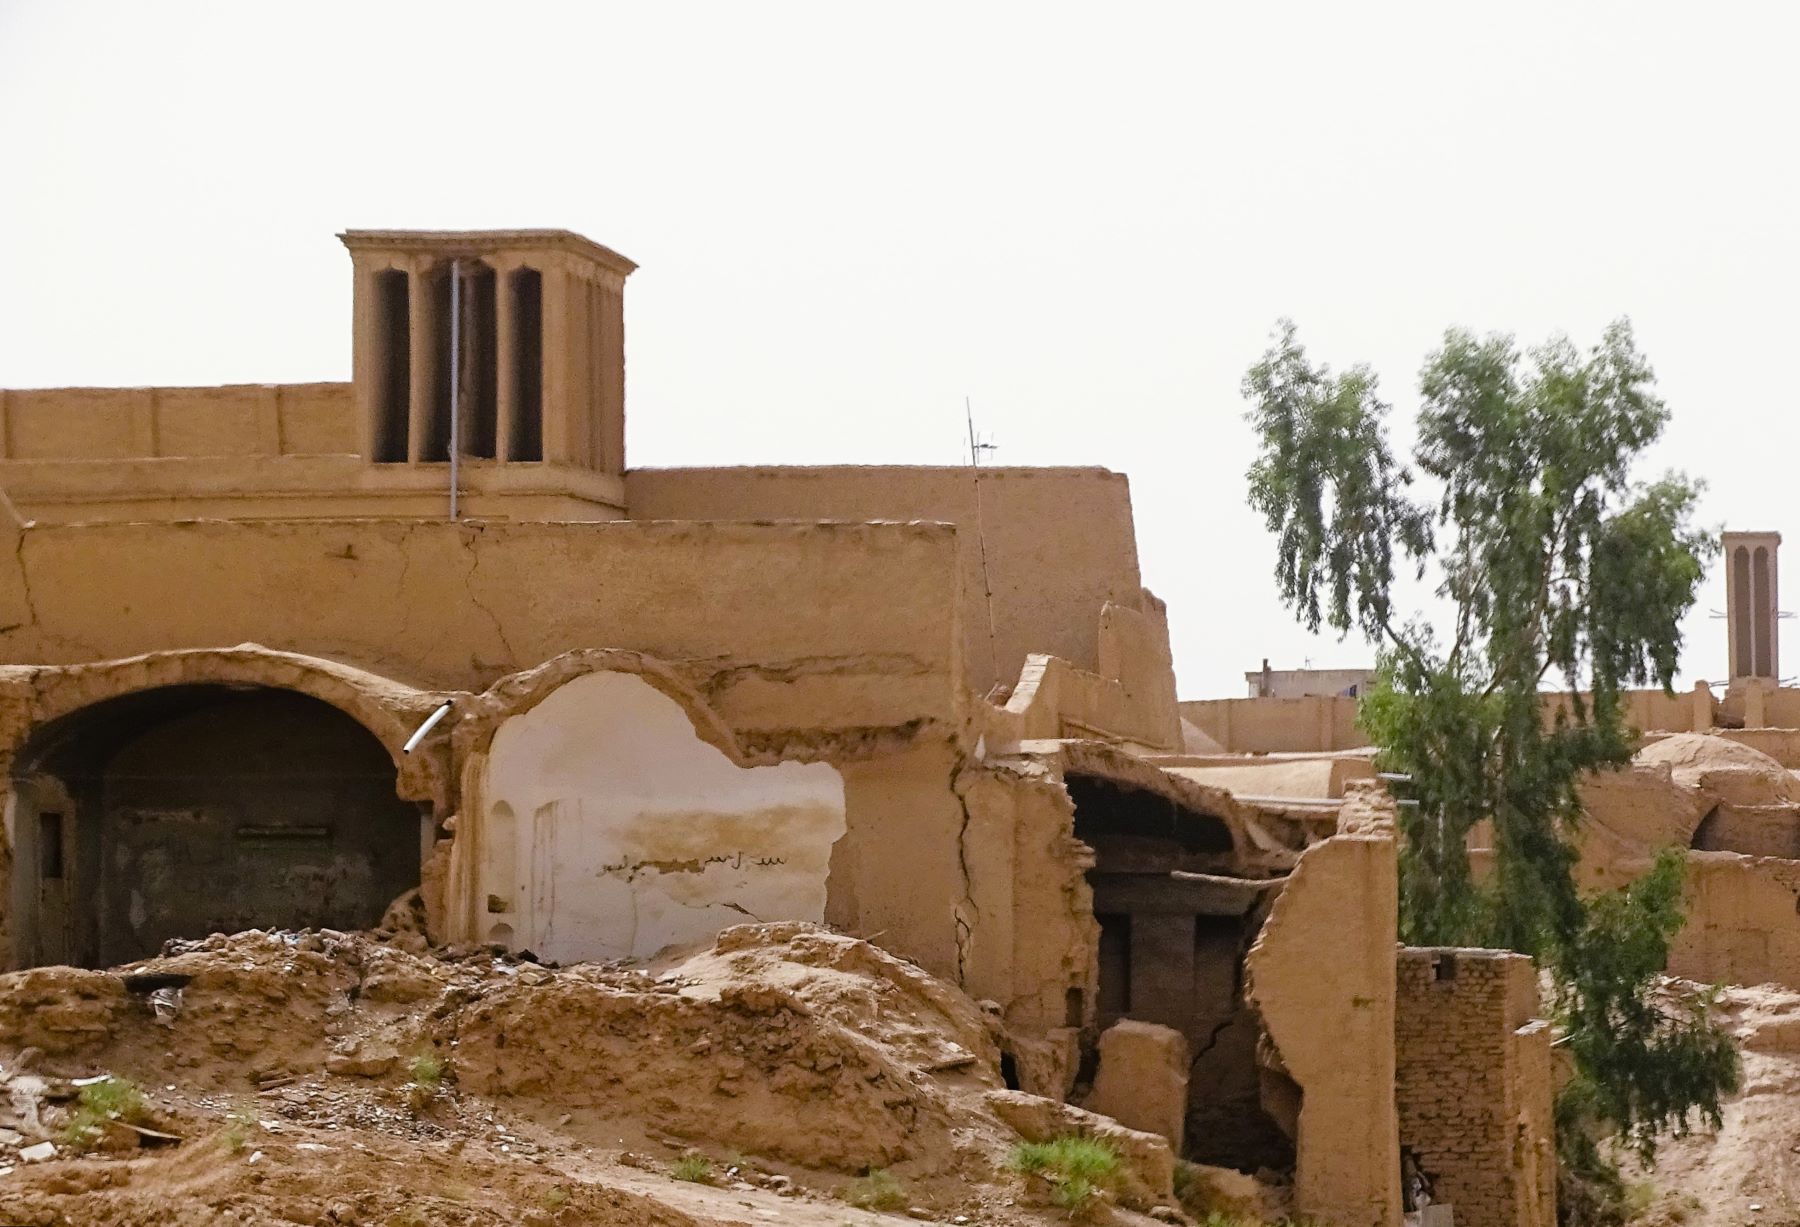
column 612, row 830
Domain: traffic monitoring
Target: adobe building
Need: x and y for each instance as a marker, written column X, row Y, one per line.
column 424, row 645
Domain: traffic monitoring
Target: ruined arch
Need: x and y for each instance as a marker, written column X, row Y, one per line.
column 517, row 693
column 608, row 811
column 389, row 710
column 174, row 793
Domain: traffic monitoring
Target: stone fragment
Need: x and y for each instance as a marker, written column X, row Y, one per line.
column 1143, row 1078
column 370, row 1061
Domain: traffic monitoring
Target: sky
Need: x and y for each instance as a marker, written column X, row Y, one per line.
column 850, row 217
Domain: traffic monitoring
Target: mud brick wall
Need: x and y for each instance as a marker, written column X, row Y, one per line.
column 1473, row 1084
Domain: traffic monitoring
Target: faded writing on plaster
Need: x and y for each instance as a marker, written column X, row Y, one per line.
column 736, row 861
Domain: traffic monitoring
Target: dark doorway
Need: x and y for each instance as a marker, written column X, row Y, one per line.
column 1176, row 923
column 190, row 810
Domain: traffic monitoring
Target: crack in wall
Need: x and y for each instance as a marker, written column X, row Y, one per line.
column 964, row 930
column 725, row 676
column 33, row 619
column 470, row 546
column 1212, row 1042
column 31, row 615
column 814, row 744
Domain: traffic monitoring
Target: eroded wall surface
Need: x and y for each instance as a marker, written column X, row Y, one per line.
column 899, row 871
column 1473, row 1084
column 1053, row 546
column 611, row 830
column 1322, row 977
column 1741, row 926
column 1026, row 924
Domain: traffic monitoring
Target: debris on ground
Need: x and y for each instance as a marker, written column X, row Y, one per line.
column 323, row 1077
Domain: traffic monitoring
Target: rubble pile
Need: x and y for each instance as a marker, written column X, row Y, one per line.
column 327, row 1077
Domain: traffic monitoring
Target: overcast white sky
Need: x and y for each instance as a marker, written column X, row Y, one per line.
column 849, row 217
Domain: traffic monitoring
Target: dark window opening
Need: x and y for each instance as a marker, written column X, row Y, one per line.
column 1073, row 1007
column 1763, row 615
column 50, row 847
column 393, row 366
column 526, row 439
column 479, row 373
column 1740, row 612
column 471, row 309
column 1115, row 969
column 435, row 445
column 1443, row 968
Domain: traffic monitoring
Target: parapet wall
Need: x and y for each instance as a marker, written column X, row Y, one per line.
column 302, row 419
column 1473, row 1084
column 1318, row 723
column 1052, row 546
column 1278, row 726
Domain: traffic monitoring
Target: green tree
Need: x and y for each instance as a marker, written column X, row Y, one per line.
column 1552, row 567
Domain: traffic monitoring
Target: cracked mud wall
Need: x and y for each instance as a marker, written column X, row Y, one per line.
column 1740, row 921
column 896, row 876
column 836, row 628
column 1030, row 941
column 611, row 830
column 1322, row 975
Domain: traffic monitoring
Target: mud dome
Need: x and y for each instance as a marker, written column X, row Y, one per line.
column 189, row 810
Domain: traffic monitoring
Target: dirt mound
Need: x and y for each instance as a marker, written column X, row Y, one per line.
column 372, row 1080
column 807, row 1047
column 1748, row 1171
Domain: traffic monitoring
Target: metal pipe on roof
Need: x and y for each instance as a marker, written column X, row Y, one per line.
column 455, row 379
column 431, row 722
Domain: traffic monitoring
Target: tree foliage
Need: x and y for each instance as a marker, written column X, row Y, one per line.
column 1552, row 568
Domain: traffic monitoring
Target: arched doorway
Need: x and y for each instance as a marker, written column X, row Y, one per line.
column 193, row 809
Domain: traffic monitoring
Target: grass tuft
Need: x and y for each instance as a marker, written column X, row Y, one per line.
column 240, row 1127
column 107, row 1100
column 425, row 1075
column 695, row 1169
column 1080, row 1169
column 879, row 1190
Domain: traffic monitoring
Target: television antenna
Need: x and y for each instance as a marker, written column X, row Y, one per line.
column 976, row 448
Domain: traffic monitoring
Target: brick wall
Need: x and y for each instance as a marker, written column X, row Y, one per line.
column 1473, row 1084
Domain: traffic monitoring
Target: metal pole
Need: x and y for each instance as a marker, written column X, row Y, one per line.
column 455, row 378
column 987, row 585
